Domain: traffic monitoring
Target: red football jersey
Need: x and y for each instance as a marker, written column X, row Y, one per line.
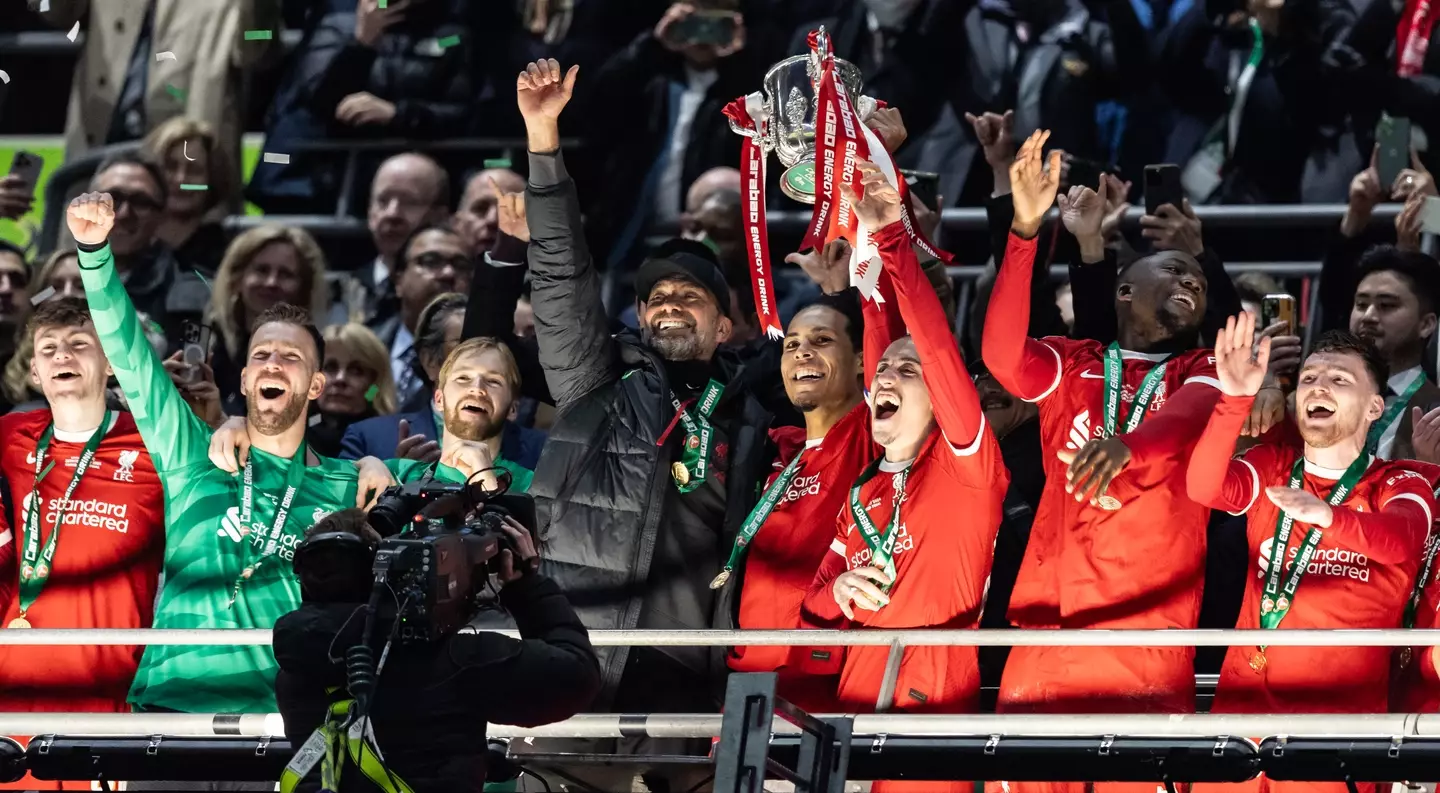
column 1143, row 565
column 105, row 571
column 782, row 559
column 942, row 553
column 1414, row 679
column 1360, row 577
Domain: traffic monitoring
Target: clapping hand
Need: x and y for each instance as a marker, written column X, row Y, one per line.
column 1425, row 436
column 1032, row 185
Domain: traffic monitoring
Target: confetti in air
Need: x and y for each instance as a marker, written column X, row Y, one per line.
column 194, row 187
column 43, row 295
column 4, row 78
column 277, row 158
column 175, row 92
column 259, row 35
column 448, row 42
column 382, row 3
column 501, row 162
column 164, row 56
column 75, row 31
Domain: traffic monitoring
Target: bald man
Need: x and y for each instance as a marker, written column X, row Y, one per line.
column 477, row 218
column 409, row 191
column 709, row 183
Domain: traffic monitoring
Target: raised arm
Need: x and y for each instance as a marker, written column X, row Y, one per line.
column 1027, row 368
column 1213, row 479
column 571, row 327
column 172, row 432
column 883, row 325
column 495, row 290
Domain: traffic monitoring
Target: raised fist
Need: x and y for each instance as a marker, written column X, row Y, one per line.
column 542, row 90
column 91, row 217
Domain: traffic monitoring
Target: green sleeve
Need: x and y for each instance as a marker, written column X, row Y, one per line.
column 406, row 471
column 173, row 434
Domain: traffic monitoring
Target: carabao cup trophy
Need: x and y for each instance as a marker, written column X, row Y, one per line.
column 788, row 115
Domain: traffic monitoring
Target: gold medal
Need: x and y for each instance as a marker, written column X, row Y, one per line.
column 1258, row 661
column 681, row 474
column 19, row 622
column 42, row 570
column 1283, row 603
column 1266, row 606
column 1108, row 503
column 720, row 580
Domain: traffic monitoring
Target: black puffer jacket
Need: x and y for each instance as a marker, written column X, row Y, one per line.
column 600, row 486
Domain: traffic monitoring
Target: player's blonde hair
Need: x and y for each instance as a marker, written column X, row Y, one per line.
column 482, row 344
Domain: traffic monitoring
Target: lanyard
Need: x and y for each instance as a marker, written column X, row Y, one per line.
column 1243, row 80
column 1377, row 430
column 35, row 567
column 1277, row 601
column 1114, row 373
column 1427, row 566
column 694, row 464
column 757, row 518
column 880, row 547
column 271, row 545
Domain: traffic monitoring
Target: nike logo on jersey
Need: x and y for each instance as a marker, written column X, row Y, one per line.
column 1089, row 375
column 1079, row 431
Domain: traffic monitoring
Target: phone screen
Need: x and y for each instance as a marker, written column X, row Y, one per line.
column 1392, row 140
column 924, row 187
column 1278, row 308
column 1162, row 186
column 705, row 27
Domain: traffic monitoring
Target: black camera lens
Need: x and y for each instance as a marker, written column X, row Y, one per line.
column 392, row 513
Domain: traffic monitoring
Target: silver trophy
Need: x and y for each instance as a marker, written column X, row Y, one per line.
column 789, row 104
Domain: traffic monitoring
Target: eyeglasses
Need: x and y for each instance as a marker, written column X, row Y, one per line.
column 435, row 262
column 141, row 202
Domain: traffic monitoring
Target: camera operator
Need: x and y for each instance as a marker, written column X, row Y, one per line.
column 432, row 700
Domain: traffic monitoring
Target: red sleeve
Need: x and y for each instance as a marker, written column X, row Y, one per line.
column 1027, row 368
column 1396, row 533
column 8, row 575
column 1174, row 428
column 957, row 405
column 820, row 609
column 882, row 325
column 1213, row 478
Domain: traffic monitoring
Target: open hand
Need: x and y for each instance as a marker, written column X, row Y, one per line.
column 1094, row 467
column 91, row 216
column 1303, row 506
column 880, row 205
column 1032, row 185
column 1425, row 436
column 230, row 446
column 1240, row 374
column 416, row 446
column 861, row 587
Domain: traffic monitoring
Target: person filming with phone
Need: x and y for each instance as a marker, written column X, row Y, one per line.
column 424, row 715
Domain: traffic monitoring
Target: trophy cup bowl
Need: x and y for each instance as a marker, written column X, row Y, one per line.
column 790, row 106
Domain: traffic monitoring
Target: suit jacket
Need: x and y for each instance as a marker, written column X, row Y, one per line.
column 1427, row 398
column 379, row 436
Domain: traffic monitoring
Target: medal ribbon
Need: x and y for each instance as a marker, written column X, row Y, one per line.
column 752, row 205
column 1277, row 602
column 1372, row 439
column 1114, row 374
column 37, row 563
column 880, row 546
column 757, row 518
column 695, row 455
column 1412, row 37
column 271, row 545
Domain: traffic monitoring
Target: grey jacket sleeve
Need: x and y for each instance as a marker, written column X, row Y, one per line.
column 571, row 329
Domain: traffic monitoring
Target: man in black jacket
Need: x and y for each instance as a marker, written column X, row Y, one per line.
column 632, row 512
column 433, row 701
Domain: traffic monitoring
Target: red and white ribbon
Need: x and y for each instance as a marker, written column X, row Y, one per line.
column 841, row 140
column 1412, row 37
column 746, row 112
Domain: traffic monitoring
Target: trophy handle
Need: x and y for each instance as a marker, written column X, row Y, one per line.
column 739, row 130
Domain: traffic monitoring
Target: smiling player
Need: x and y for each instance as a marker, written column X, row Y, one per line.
column 901, row 557
column 1338, row 534
column 1117, row 425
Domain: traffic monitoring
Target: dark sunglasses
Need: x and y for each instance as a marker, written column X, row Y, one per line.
column 138, row 201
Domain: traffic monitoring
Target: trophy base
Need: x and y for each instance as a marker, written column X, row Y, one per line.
column 798, row 182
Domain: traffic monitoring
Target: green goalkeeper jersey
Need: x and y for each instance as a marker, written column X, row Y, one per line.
column 205, row 545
